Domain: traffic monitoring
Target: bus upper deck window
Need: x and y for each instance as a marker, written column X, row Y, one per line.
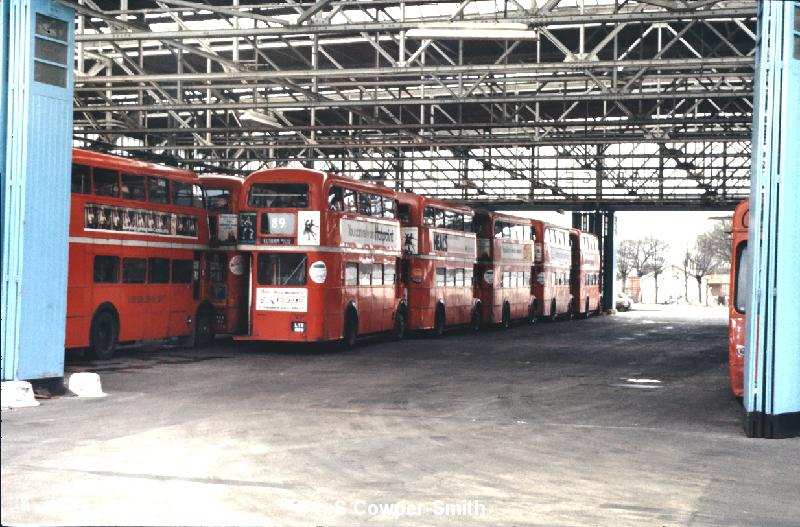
column 218, row 200
column 157, row 190
column 81, row 179
column 468, row 223
column 364, row 204
column 106, row 182
column 182, row 194
column 388, row 208
column 133, row 187
column 404, row 213
column 350, row 200
column 335, row 199
column 197, row 197
column 278, row 195
column 429, row 217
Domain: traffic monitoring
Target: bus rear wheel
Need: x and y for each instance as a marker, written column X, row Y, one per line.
column 532, row 314
column 400, row 325
column 553, row 312
column 586, row 313
column 438, row 321
column 505, row 319
column 204, row 329
column 476, row 320
column 350, row 333
column 104, row 335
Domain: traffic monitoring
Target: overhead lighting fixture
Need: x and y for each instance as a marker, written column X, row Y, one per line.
column 259, row 117
column 472, row 31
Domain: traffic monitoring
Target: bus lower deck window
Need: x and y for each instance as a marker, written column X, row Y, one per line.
column 282, row 269
column 134, row 270
column 106, row 269
column 158, row 270
column 350, row 273
column 181, row 271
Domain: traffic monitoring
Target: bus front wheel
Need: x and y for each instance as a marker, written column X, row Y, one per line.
column 505, row 320
column 400, row 325
column 553, row 311
column 350, row 333
column 104, row 335
column 438, row 321
column 586, row 313
column 477, row 319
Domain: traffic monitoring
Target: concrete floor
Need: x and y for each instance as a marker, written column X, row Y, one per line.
column 532, row 426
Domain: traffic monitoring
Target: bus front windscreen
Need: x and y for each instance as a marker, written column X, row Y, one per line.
column 278, row 196
column 282, row 269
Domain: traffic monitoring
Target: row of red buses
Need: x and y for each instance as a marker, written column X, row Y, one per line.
column 330, row 258
column 137, row 238
column 736, row 307
column 299, row 255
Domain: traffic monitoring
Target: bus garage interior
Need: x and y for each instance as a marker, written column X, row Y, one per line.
column 391, row 242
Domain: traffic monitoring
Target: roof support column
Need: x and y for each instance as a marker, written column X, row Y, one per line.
column 35, row 186
column 772, row 345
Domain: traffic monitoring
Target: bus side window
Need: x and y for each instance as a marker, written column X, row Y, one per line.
column 335, row 199
column 388, row 208
column 377, row 274
column 429, row 217
column 441, row 276
column 81, row 179
column 181, row 271
column 106, row 269
column 388, row 274
column 404, row 213
column 364, row 205
column 133, row 187
column 375, row 205
column 106, row 182
column 158, row 270
column 182, row 194
column 350, row 273
column 365, row 274
column 467, row 223
column 134, row 270
column 157, row 190
column 350, row 200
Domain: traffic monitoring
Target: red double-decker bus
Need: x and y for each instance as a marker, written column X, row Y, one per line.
column 138, row 232
column 324, row 252
column 503, row 271
column 740, row 276
column 551, row 270
column 585, row 274
column 226, row 273
column 439, row 251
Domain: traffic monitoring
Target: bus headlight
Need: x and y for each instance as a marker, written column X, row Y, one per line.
column 298, row 327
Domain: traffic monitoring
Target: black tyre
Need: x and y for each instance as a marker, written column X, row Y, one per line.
column 438, row 321
column 350, row 333
column 586, row 313
column 400, row 325
column 476, row 321
column 104, row 335
column 505, row 320
column 204, row 328
column 553, row 312
column 531, row 314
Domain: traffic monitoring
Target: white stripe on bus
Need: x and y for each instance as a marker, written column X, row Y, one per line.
column 316, row 249
column 136, row 243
